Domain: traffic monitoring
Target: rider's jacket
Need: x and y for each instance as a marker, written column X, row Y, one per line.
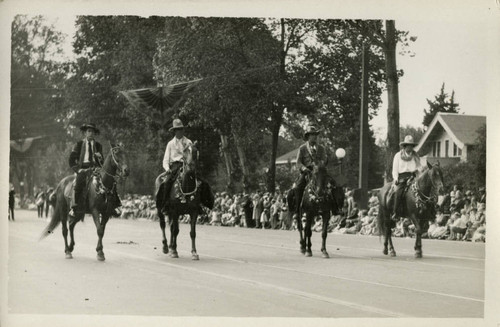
column 83, row 154
column 311, row 154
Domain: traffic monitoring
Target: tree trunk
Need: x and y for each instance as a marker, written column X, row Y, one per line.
column 393, row 97
column 275, row 129
column 243, row 163
column 227, row 160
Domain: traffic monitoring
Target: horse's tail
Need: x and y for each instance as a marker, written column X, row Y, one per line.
column 56, row 213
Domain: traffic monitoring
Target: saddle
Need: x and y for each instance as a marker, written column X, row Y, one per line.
column 92, row 178
column 390, row 197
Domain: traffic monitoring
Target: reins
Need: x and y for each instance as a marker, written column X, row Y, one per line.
column 421, row 198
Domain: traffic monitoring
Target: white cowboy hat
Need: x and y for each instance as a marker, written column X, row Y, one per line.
column 177, row 124
column 408, row 141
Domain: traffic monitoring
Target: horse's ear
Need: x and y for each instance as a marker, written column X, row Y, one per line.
column 195, row 143
column 429, row 165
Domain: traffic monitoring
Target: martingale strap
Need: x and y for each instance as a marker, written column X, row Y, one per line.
column 421, row 199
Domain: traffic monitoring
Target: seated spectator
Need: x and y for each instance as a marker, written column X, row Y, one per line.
column 459, row 226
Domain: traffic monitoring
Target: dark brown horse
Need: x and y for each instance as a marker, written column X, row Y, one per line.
column 417, row 205
column 184, row 198
column 100, row 199
column 321, row 198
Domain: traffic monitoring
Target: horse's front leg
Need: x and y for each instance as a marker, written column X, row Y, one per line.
column 100, row 224
column 193, row 219
column 308, row 233
column 324, row 233
column 418, row 239
column 174, row 231
column 163, row 224
column 300, row 229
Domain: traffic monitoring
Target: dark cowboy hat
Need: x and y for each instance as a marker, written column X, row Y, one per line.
column 313, row 129
column 87, row 126
column 408, row 141
column 177, row 124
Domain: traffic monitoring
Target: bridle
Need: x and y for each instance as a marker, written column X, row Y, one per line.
column 420, row 196
column 183, row 169
column 119, row 168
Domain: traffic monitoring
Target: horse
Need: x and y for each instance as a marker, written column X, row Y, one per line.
column 321, row 197
column 185, row 197
column 417, row 205
column 99, row 200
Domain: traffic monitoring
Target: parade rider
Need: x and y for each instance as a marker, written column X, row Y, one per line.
column 310, row 154
column 405, row 165
column 177, row 150
column 86, row 154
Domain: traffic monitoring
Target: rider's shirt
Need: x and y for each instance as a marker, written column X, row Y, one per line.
column 176, row 151
column 310, row 154
column 403, row 163
column 89, row 150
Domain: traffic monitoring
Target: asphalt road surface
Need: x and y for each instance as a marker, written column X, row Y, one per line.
column 241, row 273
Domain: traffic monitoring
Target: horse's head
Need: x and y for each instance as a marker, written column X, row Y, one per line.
column 192, row 155
column 320, row 179
column 117, row 161
column 436, row 177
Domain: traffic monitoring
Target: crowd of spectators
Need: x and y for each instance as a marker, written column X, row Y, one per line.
column 459, row 215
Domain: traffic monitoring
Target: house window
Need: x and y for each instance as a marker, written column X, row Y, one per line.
column 436, row 149
column 455, row 150
column 459, row 152
column 446, row 148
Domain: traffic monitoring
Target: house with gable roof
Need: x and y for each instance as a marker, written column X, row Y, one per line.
column 450, row 138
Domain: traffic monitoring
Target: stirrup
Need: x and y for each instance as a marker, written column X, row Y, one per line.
column 394, row 217
column 71, row 213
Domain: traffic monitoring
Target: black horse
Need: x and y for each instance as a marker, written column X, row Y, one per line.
column 100, row 199
column 322, row 197
column 418, row 204
column 187, row 194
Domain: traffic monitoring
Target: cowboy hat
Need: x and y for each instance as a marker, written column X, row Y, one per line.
column 177, row 124
column 408, row 141
column 87, row 126
column 311, row 130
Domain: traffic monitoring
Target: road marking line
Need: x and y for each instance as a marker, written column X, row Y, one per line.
column 352, row 279
column 267, row 285
column 354, row 256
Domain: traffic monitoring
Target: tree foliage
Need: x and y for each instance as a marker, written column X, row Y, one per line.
column 441, row 103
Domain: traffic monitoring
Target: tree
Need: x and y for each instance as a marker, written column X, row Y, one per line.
column 387, row 41
column 37, row 78
column 478, row 156
column 440, row 104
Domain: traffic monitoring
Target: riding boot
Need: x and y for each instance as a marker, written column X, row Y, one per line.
column 166, row 193
column 395, row 213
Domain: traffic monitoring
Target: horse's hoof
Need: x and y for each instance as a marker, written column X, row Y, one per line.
column 174, row 254
column 309, row 254
column 418, row 254
column 325, row 255
column 393, row 253
column 195, row 257
column 165, row 249
column 303, row 251
column 385, row 252
column 100, row 256
column 69, row 255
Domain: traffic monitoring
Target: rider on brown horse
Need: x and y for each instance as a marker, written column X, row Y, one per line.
column 310, row 154
column 85, row 156
column 174, row 158
column 405, row 166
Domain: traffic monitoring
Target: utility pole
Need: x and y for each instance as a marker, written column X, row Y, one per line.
column 364, row 133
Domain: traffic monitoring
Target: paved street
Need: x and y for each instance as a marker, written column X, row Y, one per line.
column 241, row 273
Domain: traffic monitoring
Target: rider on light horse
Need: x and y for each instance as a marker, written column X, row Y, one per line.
column 405, row 166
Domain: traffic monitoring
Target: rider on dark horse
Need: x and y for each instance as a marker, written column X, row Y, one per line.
column 405, row 166
column 175, row 155
column 85, row 156
column 310, row 154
